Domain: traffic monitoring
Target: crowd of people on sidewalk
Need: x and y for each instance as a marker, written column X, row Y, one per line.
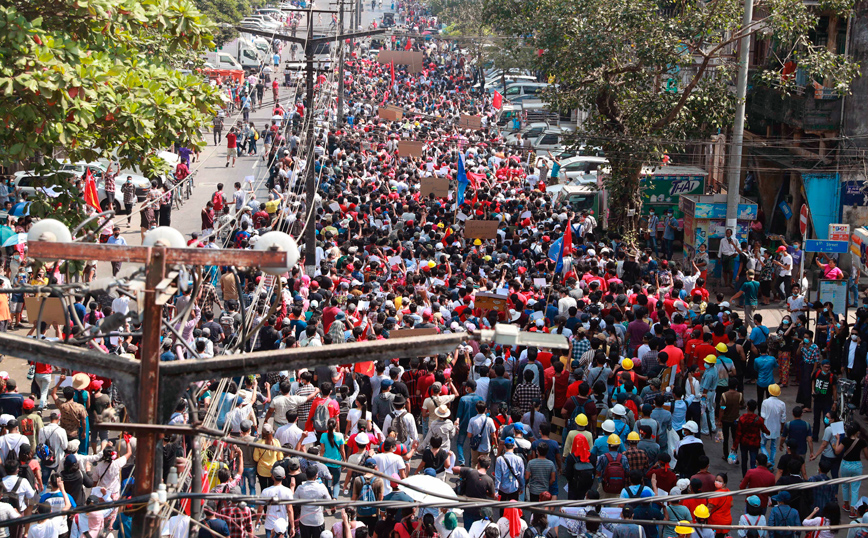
column 650, row 385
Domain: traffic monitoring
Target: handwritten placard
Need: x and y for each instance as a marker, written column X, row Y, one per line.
column 541, row 282
column 410, row 148
column 481, row 229
column 438, row 186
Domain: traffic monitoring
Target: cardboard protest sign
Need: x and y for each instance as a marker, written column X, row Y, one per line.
column 410, row 148
column 490, row 301
column 481, row 229
column 391, row 113
column 470, row 122
column 52, row 314
column 438, row 185
column 406, row 333
column 415, row 61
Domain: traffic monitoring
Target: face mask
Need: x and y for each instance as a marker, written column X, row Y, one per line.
column 718, row 484
column 853, row 337
column 807, row 340
column 786, row 322
column 839, row 325
column 826, row 421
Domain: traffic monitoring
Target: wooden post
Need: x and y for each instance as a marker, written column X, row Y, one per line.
column 149, row 386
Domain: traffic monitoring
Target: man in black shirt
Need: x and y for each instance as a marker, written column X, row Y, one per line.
column 478, row 484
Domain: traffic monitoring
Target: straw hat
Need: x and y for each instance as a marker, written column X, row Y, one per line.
column 80, row 381
column 442, row 411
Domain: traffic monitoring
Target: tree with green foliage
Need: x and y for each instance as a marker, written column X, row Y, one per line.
column 226, row 14
column 96, row 78
column 656, row 73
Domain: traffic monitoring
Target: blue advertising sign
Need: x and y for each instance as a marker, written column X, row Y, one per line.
column 826, row 246
column 785, row 209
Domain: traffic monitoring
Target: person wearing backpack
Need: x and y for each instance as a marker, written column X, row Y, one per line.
column 401, row 421
column 368, row 488
column 612, row 469
column 16, row 485
column 218, row 199
column 30, row 422
column 51, row 445
column 11, row 443
column 322, row 409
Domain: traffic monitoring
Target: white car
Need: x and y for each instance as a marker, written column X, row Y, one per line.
column 531, row 131
column 578, row 170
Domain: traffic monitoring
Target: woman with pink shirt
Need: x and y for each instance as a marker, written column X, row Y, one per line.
column 830, row 269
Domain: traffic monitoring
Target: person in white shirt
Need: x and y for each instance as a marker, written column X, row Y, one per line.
column 774, row 413
column 796, row 301
column 390, row 463
column 108, row 469
column 277, row 516
column 785, row 272
column 54, row 437
column 48, row 528
column 727, row 253
column 18, row 486
column 12, row 441
column 289, row 434
column 311, row 517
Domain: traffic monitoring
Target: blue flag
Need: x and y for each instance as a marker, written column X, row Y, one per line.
column 462, row 179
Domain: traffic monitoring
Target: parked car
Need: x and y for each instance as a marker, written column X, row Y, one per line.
column 580, row 169
column 550, row 139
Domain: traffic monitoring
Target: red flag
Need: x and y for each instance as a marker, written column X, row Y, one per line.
column 497, row 101
column 446, row 236
column 392, row 69
column 407, row 45
column 90, row 195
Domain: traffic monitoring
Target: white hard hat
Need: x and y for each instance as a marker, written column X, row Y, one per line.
column 619, row 410
column 691, row 426
column 608, row 426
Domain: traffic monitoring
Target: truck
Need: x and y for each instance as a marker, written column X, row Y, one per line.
column 239, row 53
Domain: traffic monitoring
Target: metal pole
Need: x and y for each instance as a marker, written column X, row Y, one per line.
column 310, row 180
column 341, row 69
column 196, row 481
column 734, row 179
column 149, row 385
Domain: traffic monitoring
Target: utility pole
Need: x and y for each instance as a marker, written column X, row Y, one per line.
column 734, row 178
column 340, row 116
column 310, row 45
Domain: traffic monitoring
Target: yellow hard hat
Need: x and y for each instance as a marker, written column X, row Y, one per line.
column 487, row 258
column 702, row 512
column 723, row 348
column 632, row 436
column 614, row 440
column 627, row 364
column 477, row 242
column 581, row 419
column 440, row 225
column 775, row 389
column 432, row 265
column 710, row 359
column 682, row 528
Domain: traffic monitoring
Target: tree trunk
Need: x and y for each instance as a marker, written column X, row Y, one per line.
column 623, row 199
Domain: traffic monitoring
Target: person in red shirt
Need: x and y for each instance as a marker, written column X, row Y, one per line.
column 329, row 313
column 704, row 349
column 690, row 355
column 324, row 398
column 558, row 377
column 676, row 356
column 700, row 288
column 42, row 379
column 231, row 147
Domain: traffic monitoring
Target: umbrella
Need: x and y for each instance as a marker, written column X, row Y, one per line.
column 5, row 233
column 433, row 489
column 21, row 209
column 15, row 239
